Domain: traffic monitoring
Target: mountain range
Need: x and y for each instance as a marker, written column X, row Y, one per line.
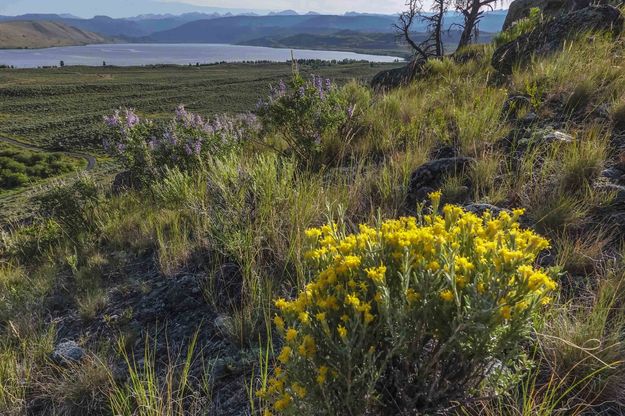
column 251, row 29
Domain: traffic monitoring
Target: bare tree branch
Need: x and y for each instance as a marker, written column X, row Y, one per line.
column 472, row 11
column 432, row 46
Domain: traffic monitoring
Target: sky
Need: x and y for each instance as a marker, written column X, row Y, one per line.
column 125, row 8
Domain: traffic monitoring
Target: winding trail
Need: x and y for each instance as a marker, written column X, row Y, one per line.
column 91, row 162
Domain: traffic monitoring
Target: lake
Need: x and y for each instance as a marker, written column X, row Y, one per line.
column 151, row 54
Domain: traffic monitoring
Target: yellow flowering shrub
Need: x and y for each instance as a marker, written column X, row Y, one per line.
column 408, row 314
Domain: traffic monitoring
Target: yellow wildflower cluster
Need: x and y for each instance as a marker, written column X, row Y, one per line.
column 436, row 265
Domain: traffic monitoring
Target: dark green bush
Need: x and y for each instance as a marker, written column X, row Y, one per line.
column 70, row 205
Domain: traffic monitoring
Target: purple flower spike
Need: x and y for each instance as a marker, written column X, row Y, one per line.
column 188, row 150
column 350, row 110
column 181, row 112
column 112, row 120
column 318, row 84
column 131, row 118
column 170, row 137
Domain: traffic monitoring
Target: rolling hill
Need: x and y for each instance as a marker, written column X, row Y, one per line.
column 44, row 34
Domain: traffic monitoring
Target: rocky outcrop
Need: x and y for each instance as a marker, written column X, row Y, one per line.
column 394, row 78
column 430, row 176
column 520, row 9
column 550, row 36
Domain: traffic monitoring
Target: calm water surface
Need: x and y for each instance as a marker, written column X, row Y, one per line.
column 149, row 54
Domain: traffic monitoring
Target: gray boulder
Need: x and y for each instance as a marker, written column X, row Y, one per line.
column 550, row 36
column 480, row 209
column 430, row 176
column 68, row 352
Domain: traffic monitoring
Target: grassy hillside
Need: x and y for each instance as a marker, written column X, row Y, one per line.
column 43, row 34
column 283, row 266
column 62, row 108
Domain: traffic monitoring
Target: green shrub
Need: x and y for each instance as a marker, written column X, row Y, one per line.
column 307, row 115
column 20, row 167
column 29, row 243
column 145, row 148
column 408, row 315
column 69, row 204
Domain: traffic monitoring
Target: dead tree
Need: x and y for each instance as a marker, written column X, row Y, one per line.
column 435, row 25
column 472, row 12
column 432, row 45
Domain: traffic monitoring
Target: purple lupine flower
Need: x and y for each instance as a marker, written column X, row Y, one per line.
column 350, row 110
column 282, row 87
column 187, row 149
column 302, row 92
column 131, row 118
column 196, row 121
column 113, row 120
column 121, row 147
column 181, row 112
column 328, row 84
column 318, row 83
column 170, row 137
column 198, row 147
column 273, row 92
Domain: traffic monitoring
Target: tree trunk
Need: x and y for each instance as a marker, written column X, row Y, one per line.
column 470, row 21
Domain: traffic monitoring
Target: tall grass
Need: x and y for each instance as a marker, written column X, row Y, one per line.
column 150, row 393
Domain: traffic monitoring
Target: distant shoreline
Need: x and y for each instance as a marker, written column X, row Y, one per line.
column 360, row 51
column 181, row 54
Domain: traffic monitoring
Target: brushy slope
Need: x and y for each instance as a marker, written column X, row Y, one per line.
column 62, row 109
column 15, row 35
column 169, row 289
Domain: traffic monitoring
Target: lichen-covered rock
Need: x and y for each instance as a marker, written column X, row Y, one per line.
column 68, row 352
column 430, row 176
column 550, row 36
column 520, row 9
